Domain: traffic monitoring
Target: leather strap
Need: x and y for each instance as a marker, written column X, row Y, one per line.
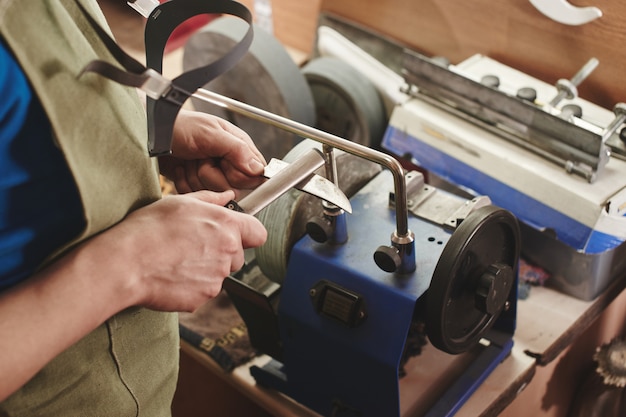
column 162, row 112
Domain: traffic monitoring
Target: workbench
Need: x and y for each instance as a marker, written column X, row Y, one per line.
column 548, row 324
column 417, row 388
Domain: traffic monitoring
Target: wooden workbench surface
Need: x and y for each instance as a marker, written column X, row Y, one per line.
column 549, row 321
column 427, row 376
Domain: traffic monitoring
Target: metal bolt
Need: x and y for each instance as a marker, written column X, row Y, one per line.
column 620, row 118
column 567, row 88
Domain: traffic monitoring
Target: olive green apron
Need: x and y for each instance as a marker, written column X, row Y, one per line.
column 129, row 365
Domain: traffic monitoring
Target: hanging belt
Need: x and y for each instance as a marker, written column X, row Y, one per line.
column 165, row 97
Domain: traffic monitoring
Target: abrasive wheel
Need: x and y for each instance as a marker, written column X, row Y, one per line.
column 266, row 78
column 473, row 279
column 285, row 219
column 347, row 103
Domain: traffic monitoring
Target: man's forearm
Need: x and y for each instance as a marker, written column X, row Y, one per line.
column 59, row 305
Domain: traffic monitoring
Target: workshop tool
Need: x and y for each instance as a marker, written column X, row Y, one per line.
column 348, row 308
column 556, row 163
column 284, row 176
column 330, row 314
column 489, row 129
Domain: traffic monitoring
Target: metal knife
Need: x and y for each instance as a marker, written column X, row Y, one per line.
column 283, row 176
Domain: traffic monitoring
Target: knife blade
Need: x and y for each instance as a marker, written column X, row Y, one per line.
column 283, row 176
column 316, row 185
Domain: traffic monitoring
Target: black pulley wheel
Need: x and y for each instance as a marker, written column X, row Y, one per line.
column 473, row 279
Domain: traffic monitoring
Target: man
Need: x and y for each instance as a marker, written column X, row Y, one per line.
column 92, row 259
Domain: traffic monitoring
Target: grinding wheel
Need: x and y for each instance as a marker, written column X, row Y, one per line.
column 347, row 104
column 473, row 279
column 285, row 219
column 266, row 78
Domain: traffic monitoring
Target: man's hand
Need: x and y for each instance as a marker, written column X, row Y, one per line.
column 172, row 255
column 180, row 249
column 210, row 153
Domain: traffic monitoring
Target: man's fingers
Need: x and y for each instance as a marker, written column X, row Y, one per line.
column 252, row 231
column 212, row 197
column 191, row 175
column 238, row 132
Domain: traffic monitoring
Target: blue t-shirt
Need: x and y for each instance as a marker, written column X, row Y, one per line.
column 40, row 208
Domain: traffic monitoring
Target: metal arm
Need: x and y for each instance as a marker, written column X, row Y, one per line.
column 402, row 236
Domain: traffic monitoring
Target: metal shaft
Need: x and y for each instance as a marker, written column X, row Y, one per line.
column 567, row 88
column 402, row 227
column 584, row 72
column 331, row 164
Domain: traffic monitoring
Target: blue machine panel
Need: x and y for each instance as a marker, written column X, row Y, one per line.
column 344, row 322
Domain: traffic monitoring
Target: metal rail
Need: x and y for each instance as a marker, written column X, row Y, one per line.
column 402, row 227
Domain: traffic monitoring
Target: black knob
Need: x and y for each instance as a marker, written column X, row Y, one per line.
column 387, row 258
column 493, row 288
column 320, row 229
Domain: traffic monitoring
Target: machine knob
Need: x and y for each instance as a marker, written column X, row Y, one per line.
column 493, row 288
column 490, row 81
column 387, row 258
column 527, row 94
column 319, row 229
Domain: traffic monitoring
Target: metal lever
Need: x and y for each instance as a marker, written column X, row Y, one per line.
column 567, row 88
column 402, row 239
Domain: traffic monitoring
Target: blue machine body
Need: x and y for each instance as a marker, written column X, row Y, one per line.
column 346, row 363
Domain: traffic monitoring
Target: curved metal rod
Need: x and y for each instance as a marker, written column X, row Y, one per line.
column 402, row 227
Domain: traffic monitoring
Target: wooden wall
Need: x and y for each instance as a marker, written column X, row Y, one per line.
column 294, row 22
column 511, row 31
